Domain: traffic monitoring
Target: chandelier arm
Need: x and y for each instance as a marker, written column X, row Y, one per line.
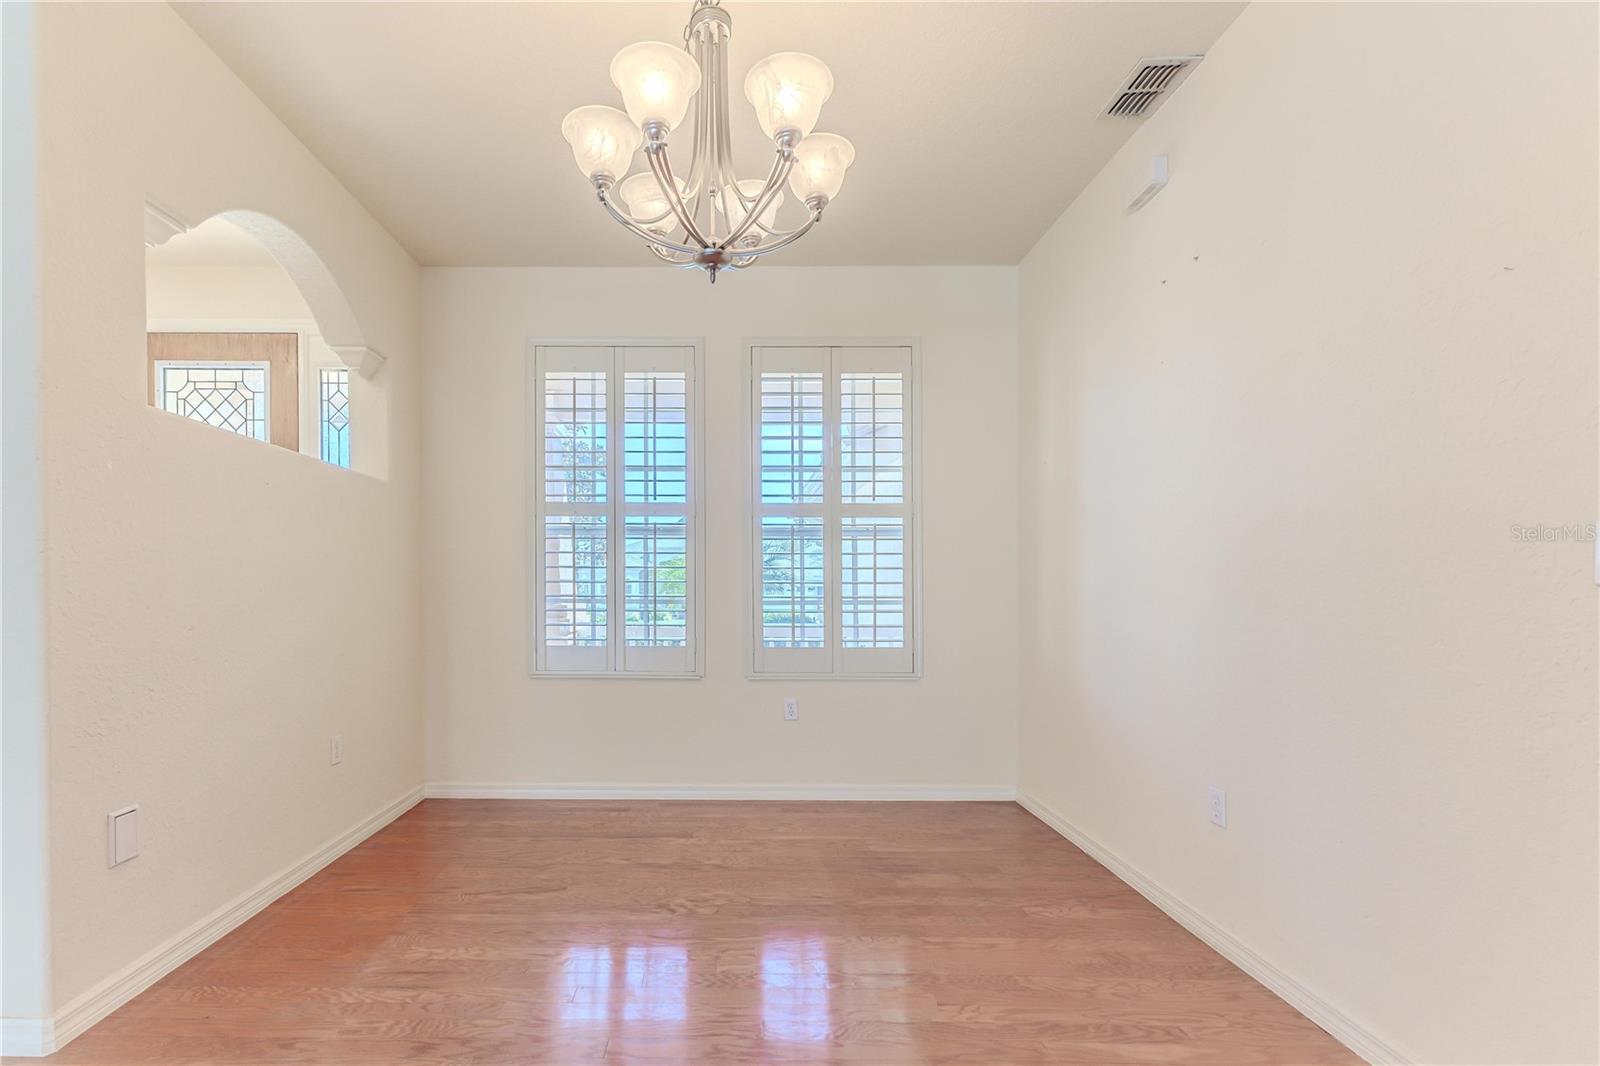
column 745, row 202
column 775, row 234
column 654, row 239
column 662, row 169
column 702, row 125
column 730, row 180
column 772, row 232
column 726, row 178
column 725, row 175
column 672, row 257
column 648, row 222
column 690, row 183
column 723, row 150
column 712, row 93
column 780, row 171
column 662, row 217
column 787, row 239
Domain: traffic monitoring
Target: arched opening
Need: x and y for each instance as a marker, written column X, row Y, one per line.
column 249, row 333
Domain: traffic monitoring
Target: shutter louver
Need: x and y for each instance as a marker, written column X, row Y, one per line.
column 791, row 438
column 575, row 456
column 656, row 494
column 833, row 510
column 873, row 574
column 871, row 438
column 616, row 587
column 575, row 581
column 792, row 593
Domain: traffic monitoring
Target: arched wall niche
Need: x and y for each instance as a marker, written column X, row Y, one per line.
column 316, row 282
column 335, row 318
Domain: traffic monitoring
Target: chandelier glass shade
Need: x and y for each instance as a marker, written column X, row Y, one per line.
column 603, row 139
column 709, row 218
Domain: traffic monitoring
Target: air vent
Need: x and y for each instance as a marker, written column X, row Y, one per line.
column 1151, row 80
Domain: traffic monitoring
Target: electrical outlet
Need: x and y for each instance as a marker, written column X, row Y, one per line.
column 791, row 710
column 1218, row 806
column 336, row 750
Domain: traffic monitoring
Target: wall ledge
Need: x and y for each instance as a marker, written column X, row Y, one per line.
column 90, row 1007
column 529, row 790
column 360, row 358
column 1338, row 1024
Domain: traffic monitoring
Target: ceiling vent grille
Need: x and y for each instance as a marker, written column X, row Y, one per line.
column 1151, row 80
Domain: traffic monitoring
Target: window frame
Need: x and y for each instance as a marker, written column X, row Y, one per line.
column 312, row 405
column 834, row 662
column 158, row 384
column 313, row 355
column 615, row 650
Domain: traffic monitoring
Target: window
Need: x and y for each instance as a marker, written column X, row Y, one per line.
column 230, row 396
column 244, row 383
column 333, row 415
column 614, row 452
column 284, row 385
column 833, row 511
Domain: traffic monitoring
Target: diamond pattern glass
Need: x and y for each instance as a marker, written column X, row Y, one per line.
column 333, row 414
column 230, row 396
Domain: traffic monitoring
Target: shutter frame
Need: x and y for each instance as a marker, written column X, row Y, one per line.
column 617, row 357
column 852, row 355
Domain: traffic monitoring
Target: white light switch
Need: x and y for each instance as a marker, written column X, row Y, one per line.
column 122, row 835
column 1151, row 181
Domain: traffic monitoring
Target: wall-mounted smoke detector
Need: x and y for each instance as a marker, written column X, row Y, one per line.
column 1149, row 83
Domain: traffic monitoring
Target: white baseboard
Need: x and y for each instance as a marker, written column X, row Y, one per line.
column 1338, row 1024
column 145, row 971
column 511, row 790
column 28, row 1037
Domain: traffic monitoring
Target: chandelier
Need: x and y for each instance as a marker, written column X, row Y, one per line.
column 708, row 219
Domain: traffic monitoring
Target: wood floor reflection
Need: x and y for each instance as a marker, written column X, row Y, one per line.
column 575, row 932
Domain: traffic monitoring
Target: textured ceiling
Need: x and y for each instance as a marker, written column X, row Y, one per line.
column 975, row 124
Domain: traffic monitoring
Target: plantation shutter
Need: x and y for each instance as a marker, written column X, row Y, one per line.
column 657, row 521
column 832, row 510
column 615, row 560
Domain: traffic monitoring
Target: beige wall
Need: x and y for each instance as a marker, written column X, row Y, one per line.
column 489, row 723
column 217, row 607
column 242, row 292
column 1278, row 428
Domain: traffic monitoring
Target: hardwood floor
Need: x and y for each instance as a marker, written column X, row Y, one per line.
column 571, row 932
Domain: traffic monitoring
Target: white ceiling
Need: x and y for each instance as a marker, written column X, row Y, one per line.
column 975, row 124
